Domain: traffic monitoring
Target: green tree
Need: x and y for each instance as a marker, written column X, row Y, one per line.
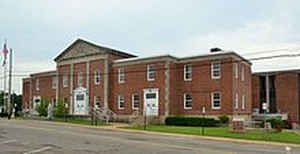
column 60, row 110
column 42, row 107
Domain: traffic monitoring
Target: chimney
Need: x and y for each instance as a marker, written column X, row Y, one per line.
column 215, row 50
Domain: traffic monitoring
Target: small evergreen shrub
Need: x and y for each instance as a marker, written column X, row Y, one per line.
column 224, row 119
column 191, row 121
column 42, row 108
column 60, row 110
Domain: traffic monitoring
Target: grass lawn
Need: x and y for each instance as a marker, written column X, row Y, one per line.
column 284, row 136
column 82, row 122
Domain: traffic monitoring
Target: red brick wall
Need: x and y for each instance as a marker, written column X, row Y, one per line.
column 26, row 94
column 96, row 90
column 63, row 92
column 287, row 94
column 136, row 81
column 255, row 91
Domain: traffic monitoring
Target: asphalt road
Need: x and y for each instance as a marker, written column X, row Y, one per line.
column 29, row 137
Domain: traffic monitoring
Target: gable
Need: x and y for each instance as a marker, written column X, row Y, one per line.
column 82, row 48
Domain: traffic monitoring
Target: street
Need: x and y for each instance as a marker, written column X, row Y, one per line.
column 29, row 136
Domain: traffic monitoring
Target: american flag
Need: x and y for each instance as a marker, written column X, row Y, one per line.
column 5, row 52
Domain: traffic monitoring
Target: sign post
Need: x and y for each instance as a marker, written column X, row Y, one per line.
column 203, row 113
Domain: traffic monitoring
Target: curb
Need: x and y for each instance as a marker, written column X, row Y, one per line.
column 223, row 139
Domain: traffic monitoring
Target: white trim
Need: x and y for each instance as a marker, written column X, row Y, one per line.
column 236, row 70
column 236, row 101
column 243, row 101
column 152, row 71
column 215, row 69
column 132, row 101
column 184, row 101
column 65, row 80
column 121, row 73
column 185, row 72
column 97, row 74
column 119, row 102
column 243, row 73
column 212, row 100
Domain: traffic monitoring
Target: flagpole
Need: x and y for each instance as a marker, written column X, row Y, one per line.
column 9, row 83
column 4, row 85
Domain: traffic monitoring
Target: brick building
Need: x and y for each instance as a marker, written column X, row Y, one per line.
column 280, row 91
column 89, row 75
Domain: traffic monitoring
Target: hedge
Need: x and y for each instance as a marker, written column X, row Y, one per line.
column 191, row 121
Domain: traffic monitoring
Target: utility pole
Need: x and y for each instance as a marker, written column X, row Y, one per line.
column 4, row 91
column 9, row 83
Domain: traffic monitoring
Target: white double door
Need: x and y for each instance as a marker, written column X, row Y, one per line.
column 80, row 101
column 151, row 105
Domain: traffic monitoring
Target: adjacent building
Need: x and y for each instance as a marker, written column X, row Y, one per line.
column 88, row 75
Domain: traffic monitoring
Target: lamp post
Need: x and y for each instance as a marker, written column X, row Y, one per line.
column 203, row 114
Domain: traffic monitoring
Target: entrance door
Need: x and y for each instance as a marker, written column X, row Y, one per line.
column 80, row 101
column 151, row 102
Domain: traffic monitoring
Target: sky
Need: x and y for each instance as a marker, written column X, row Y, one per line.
column 38, row 30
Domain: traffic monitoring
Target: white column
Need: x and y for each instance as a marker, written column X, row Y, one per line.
column 106, row 81
column 71, row 89
column 267, row 93
column 88, row 84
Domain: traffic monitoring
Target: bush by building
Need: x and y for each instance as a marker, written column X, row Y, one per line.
column 191, row 121
column 60, row 110
column 42, row 108
column 224, row 119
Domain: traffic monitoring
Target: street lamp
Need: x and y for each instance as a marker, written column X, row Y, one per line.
column 65, row 110
column 203, row 114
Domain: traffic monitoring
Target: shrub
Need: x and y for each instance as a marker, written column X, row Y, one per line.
column 224, row 119
column 42, row 107
column 60, row 110
column 275, row 123
column 191, row 121
column 3, row 114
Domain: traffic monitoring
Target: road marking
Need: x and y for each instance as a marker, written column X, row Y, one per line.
column 38, row 150
column 9, row 141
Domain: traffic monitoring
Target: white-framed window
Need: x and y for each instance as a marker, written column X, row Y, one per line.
column 97, row 102
column 215, row 70
column 121, row 75
column 65, row 80
column 188, row 103
column 243, row 72
column 135, row 101
column 236, row 70
column 97, row 77
column 243, row 101
column 187, row 72
column 216, row 100
column 37, row 84
column 236, row 101
column 121, row 101
column 150, row 72
column 80, row 79
column 54, row 82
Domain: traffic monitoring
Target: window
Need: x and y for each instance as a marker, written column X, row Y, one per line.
column 236, row 101
column 54, row 82
column 97, row 102
column 121, row 75
column 80, row 79
column 216, row 70
column 150, row 72
column 65, row 80
column 243, row 101
column 80, row 97
column 37, row 84
column 216, row 100
column 121, row 101
column 243, row 73
column 97, row 77
column 187, row 72
column 236, row 70
column 187, row 101
column 135, row 101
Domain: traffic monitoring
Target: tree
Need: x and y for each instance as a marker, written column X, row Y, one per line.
column 42, row 107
